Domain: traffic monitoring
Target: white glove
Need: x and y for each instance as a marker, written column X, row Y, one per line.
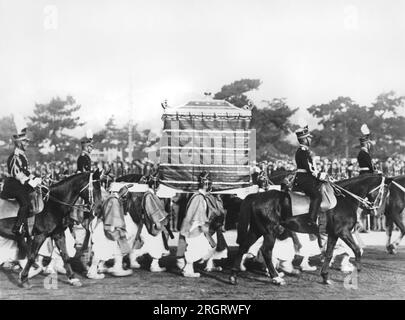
column 34, row 182
column 322, row 176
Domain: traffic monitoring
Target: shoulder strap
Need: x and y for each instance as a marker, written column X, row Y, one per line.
column 192, row 197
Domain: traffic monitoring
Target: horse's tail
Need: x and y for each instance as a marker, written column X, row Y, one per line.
column 244, row 220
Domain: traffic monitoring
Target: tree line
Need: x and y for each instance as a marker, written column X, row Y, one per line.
column 339, row 122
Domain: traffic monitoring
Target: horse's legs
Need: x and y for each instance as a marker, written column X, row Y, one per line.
column 32, row 254
column 60, row 242
column 398, row 221
column 243, row 248
column 389, row 224
column 267, row 251
column 332, row 239
column 347, row 237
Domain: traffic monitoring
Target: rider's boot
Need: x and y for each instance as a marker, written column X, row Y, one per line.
column 314, row 208
column 19, row 228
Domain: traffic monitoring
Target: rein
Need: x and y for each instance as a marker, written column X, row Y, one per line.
column 90, row 203
column 367, row 204
column 398, row 186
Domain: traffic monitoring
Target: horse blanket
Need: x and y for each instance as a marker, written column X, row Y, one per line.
column 300, row 202
column 9, row 207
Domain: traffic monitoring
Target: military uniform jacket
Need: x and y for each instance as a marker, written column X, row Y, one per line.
column 17, row 164
column 84, row 162
column 304, row 161
column 364, row 160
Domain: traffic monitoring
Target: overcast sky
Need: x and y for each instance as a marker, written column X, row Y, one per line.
column 306, row 51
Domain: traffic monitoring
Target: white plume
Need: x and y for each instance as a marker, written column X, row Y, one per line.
column 89, row 134
column 19, row 122
column 364, row 129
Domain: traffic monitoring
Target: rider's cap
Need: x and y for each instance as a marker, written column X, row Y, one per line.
column 22, row 136
column 303, row 132
column 87, row 141
column 365, row 132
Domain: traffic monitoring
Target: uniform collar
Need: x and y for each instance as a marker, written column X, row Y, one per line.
column 364, row 149
column 303, row 146
column 202, row 191
column 19, row 151
column 85, row 153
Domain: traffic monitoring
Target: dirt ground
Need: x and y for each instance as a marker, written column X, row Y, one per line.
column 382, row 277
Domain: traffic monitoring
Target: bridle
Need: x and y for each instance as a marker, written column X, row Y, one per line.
column 90, row 201
column 364, row 202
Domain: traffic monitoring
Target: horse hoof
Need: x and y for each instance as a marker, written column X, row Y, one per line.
column 296, row 272
column 242, row 268
column 328, row 282
column 96, row 276
column 213, row 269
column 33, row 272
column 25, row 285
column 75, row 282
column 278, row 281
column 391, row 249
column 233, row 280
column 191, row 275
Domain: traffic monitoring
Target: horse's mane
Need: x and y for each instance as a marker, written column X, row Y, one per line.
column 280, row 173
column 66, row 180
column 359, row 178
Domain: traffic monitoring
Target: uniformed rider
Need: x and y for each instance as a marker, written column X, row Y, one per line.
column 308, row 179
column 364, row 157
column 20, row 181
column 84, row 160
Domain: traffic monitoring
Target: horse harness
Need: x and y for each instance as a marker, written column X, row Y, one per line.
column 89, row 205
column 366, row 203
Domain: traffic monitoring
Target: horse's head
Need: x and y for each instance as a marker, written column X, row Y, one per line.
column 370, row 186
column 91, row 192
column 263, row 181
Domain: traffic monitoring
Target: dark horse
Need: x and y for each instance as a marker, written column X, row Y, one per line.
column 267, row 213
column 133, row 177
column 393, row 211
column 54, row 219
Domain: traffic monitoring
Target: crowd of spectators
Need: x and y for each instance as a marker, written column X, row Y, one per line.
column 339, row 169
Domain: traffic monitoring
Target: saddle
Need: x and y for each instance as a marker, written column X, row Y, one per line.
column 300, row 201
column 9, row 207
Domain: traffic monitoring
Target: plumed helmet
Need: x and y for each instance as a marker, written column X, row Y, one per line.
column 88, row 139
column 21, row 136
column 303, row 133
column 365, row 138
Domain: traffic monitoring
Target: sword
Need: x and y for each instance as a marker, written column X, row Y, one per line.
column 210, row 239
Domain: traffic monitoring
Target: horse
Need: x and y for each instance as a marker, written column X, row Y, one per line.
column 268, row 213
column 133, row 177
column 54, row 218
column 393, row 211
